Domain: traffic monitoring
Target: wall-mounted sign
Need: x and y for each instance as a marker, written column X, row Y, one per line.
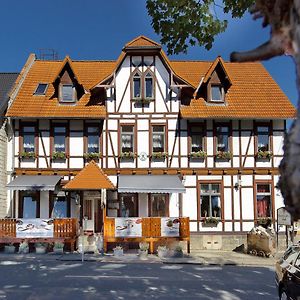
column 128, row 227
column 170, row 227
column 34, row 228
column 284, row 217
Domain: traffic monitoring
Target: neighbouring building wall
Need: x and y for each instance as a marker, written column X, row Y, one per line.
column 3, row 174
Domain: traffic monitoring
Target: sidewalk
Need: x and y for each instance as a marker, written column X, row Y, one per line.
column 203, row 257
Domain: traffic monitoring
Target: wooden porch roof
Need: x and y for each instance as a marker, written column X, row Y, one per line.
column 91, row 177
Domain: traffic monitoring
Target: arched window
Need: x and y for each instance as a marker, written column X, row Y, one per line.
column 137, row 87
column 148, row 90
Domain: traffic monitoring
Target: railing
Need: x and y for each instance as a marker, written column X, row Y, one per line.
column 151, row 232
column 63, row 228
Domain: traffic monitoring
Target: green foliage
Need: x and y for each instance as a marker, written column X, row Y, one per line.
column 159, row 155
column 264, row 154
column 91, row 155
column 25, row 154
column 58, row 155
column 192, row 22
column 198, row 154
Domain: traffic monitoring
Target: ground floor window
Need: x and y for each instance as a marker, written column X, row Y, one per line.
column 59, row 207
column 263, row 200
column 29, row 204
column 128, row 205
column 210, row 200
column 159, row 206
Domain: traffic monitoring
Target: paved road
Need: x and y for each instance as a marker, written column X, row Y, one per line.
column 40, row 279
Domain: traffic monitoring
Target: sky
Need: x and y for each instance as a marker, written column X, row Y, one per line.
column 98, row 30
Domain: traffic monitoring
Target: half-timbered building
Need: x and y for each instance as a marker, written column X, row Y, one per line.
column 167, row 138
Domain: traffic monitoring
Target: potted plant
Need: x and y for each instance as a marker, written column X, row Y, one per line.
column 162, row 251
column 159, row 155
column 40, row 248
column 58, row 248
column 143, row 251
column 23, row 248
column 178, row 251
column 224, row 155
column 264, row 154
column 58, row 155
column 91, row 155
column 27, row 155
column 127, row 155
column 118, row 251
column 211, row 221
column 264, row 221
column 198, row 154
column 9, row 248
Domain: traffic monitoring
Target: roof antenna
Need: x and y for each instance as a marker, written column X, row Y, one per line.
column 48, row 54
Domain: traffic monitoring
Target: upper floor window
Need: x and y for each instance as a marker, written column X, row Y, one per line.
column 210, row 198
column 137, row 87
column 93, row 139
column 263, row 200
column 149, row 92
column 41, row 89
column 127, row 138
column 59, row 138
column 29, row 139
column 222, row 139
column 67, row 93
column 263, row 138
column 217, row 93
column 158, row 138
column 197, row 136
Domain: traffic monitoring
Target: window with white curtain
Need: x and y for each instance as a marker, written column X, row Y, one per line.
column 127, row 138
column 59, row 138
column 222, row 135
column 28, row 138
column 263, row 138
column 197, row 135
column 158, row 138
column 93, row 139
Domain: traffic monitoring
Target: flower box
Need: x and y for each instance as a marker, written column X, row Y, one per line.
column 223, row 155
column 159, row 155
column 142, row 101
column 27, row 155
column 58, row 155
column 127, row 155
column 92, row 156
column 198, row 155
column 210, row 222
column 264, row 155
column 10, row 249
column 118, row 251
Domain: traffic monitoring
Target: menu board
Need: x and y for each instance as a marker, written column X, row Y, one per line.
column 128, row 227
column 170, row 227
column 34, row 228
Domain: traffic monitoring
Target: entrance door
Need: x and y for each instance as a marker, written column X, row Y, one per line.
column 92, row 210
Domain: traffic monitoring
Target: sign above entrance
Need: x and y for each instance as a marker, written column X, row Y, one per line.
column 34, row 228
column 284, row 217
column 128, row 227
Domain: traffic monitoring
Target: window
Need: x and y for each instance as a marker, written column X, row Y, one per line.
column 148, row 86
column 60, row 207
column 59, row 139
column 210, row 200
column 159, row 205
column 263, row 200
column 137, row 88
column 41, row 89
column 29, row 205
column 263, row 137
column 28, row 139
column 93, row 139
column 217, row 93
column 197, row 135
column 158, row 138
column 222, row 137
column 128, row 205
column 127, row 138
column 67, row 93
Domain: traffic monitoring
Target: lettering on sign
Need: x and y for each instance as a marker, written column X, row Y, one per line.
column 34, row 228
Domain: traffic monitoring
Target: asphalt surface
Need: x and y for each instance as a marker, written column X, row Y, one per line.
column 37, row 278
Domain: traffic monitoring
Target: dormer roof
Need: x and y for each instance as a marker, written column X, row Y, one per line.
column 141, row 42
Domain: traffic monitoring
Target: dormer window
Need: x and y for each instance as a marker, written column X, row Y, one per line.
column 68, row 93
column 217, row 93
column 41, row 89
column 137, row 87
column 149, row 86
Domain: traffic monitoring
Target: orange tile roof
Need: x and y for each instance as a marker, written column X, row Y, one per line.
column 253, row 93
column 142, row 41
column 91, row 177
column 46, row 106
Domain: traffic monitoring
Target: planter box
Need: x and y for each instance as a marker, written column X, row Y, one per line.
column 118, row 252
column 143, row 254
column 9, row 249
column 40, row 250
column 162, row 253
column 58, row 250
